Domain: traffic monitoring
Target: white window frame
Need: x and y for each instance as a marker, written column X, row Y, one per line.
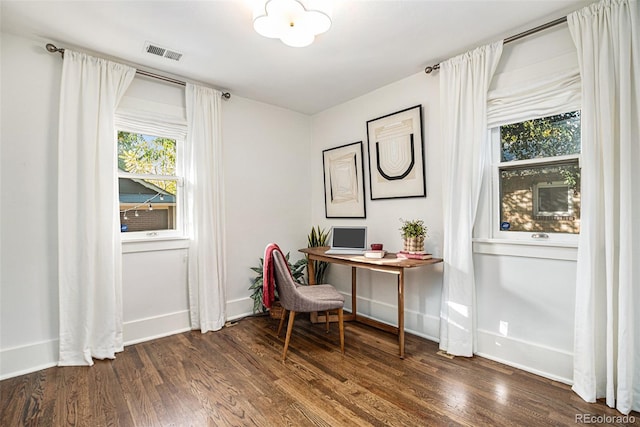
column 494, row 207
column 180, row 231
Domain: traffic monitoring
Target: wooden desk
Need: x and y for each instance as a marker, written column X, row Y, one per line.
column 388, row 264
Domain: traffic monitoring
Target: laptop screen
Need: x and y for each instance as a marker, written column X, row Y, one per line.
column 349, row 237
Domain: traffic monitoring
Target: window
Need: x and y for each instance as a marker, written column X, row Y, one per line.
column 537, row 177
column 149, row 184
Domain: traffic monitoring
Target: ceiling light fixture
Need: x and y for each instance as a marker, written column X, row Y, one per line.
column 295, row 22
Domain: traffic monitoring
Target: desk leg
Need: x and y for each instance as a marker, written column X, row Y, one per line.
column 354, row 309
column 311, row 271
column 401, row 312
column 312, row 281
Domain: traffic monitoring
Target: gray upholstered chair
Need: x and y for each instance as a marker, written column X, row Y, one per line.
column 296, row 298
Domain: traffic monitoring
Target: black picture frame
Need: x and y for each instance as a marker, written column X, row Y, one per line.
column 344, row 195
column 396, row 155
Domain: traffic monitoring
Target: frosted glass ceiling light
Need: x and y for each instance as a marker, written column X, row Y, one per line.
column 295, row 22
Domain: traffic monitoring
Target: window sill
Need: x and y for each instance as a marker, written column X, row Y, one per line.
column 154, row 244
column 548, row 250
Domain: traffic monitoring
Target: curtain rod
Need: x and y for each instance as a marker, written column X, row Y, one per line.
column 518, row 36
column 53, row 49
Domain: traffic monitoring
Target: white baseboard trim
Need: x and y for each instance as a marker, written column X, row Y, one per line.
column 416, row 323
column 150, row 328
column 28, row 358
column 422, row 325
column 548, row 362
column 34, row 357
column 239, row 308
column 545, row 361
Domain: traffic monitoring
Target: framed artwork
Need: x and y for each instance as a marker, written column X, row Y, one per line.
column 396, row 155
column 344, row 181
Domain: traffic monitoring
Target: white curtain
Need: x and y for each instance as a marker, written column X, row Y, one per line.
column 89, row 252
column 607, row 319
column 464, row 83
column 205, row 220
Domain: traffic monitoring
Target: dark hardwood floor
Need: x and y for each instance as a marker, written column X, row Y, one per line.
column 235, row 377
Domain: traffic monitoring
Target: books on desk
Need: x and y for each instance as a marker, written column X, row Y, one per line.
column 375, row 253
column 413, row 255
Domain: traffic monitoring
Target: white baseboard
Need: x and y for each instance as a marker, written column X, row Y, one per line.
column 239, row 308
column 548, row 362
column 174, row 323
column 150, row 328
column 416, row 323
column 28, row 358
column 538, row 359
column 422, row 325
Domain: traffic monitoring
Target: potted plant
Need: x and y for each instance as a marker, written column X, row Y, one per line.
column 297, row 271
column 413, row 233
column 318, row 237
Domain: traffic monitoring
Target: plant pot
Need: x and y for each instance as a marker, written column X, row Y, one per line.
column 414, row 244
column 276, row 311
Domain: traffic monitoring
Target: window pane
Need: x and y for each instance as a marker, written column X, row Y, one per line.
column 551, row 136
column 553, row 199
column 146, row 206
column 541, row 198
column 146, row 154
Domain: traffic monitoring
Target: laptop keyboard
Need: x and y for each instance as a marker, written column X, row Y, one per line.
column 344, row 252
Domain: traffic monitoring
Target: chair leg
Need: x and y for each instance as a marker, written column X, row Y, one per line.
column 341, row 324
column 292, row 316
column 326, row 317
column 284, row 316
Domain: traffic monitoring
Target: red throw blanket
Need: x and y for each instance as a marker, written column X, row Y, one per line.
column 269, row 275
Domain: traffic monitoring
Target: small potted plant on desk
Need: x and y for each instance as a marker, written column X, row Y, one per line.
column 413, row 233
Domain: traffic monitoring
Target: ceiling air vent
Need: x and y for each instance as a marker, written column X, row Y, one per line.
column 154, row 49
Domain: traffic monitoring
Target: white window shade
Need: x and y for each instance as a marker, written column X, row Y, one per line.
column 153, row 107
column 543, row 98
column 537, row 77
column 145, row 122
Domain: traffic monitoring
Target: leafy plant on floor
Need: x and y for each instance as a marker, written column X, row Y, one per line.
column 297, row 271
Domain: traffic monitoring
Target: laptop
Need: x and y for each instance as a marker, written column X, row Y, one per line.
column 348, row 241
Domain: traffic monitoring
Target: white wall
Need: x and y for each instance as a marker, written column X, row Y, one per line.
column 154, row 290
column 267, row 198
column 346, row 123
column 28, row 270
column 533, row 299
column 530, row 291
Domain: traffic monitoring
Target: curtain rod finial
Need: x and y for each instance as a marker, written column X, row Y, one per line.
column 432, row 68
column 53, row 49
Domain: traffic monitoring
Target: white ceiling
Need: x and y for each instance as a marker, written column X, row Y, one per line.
column 371, row 43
